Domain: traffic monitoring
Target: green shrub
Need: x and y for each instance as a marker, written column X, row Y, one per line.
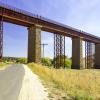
column 68, row 63
column 22, row 60
column 46, row 61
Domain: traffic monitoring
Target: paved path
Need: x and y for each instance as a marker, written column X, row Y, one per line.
column 17, row 82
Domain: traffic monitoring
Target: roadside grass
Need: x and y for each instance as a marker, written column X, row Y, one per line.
column 77, row 84
column 2, row 64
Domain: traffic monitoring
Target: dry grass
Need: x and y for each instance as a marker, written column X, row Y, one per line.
column 2, row 64
column 78, row 84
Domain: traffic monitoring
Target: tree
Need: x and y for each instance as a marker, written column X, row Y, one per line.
column 46, row 61
column 68, row 63
column 22, row 60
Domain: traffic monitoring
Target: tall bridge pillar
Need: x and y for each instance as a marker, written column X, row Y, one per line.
column 76, row 53
column 1, row 38
column 34, row 44
column 97, row 56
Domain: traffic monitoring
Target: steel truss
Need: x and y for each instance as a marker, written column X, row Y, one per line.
column 89, row 55
column 1, row 37
column 59, row 51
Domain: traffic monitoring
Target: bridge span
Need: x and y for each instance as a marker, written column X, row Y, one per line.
column 36, row 24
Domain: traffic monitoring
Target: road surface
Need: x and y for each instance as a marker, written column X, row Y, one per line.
column 17, row 82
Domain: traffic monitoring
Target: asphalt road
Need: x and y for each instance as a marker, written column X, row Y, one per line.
column 17, row 82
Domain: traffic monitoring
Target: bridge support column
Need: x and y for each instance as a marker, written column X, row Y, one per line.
column 1, row 38
column 97, row 56
column 34, row 44
column 76, row 53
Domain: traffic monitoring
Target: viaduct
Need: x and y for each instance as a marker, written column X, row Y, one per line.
column 35, row 24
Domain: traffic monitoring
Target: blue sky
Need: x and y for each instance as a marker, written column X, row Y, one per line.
column 80, row 14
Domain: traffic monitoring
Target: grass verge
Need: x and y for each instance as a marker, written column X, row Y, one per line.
column 77, row 84
column 2, row 64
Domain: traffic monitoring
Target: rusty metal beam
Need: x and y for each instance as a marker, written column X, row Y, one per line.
column 89, row 55
column 1, row 38
column 59, row 51
column 18, row 16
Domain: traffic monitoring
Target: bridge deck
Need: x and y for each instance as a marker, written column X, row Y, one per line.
column 24, row 18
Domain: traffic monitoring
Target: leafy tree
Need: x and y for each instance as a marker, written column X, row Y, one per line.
column 68, row 63
column 46, row 61
column 21, row 60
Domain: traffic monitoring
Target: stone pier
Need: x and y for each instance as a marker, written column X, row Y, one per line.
column 76, row 53
column 97, row 56
column 34, row 44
